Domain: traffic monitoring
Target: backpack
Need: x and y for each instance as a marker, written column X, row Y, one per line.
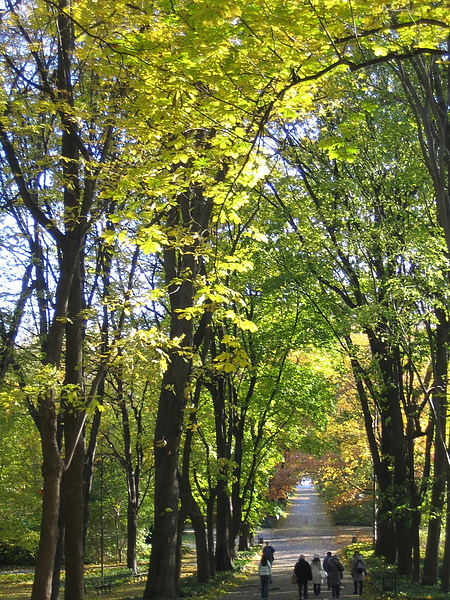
column 359, row 566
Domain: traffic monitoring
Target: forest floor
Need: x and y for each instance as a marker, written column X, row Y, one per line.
column 306, row 529
column 16, row 584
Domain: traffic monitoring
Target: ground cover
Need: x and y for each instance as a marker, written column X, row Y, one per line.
column 16, row 585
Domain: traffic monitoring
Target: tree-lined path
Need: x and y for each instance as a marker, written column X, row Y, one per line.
column 306, row 530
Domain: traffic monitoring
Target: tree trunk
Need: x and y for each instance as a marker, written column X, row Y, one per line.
column 445, row 580
column 132, row 483
column 201, row 546
column 238, row 490
column 244, row 538
column 194, row 212
column 163, row 576
column 395, row 451
column 223, row 556
column 59, row 556
column 210, row 504
column 132, row 511
column 384, row 526
column 88, row 474
column 52, row 472
column 430, row 574
column 74, row 515
column 74, row 475
column 188, row 503
column 385, row 543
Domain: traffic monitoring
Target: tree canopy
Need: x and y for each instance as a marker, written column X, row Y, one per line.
column 209, row 212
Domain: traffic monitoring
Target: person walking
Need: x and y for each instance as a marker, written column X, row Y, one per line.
column 302, row 571
column 358, row 571
column 265, row 575
column 316, row 570
column 269, row 551
column 335, row 573
column 325, row 563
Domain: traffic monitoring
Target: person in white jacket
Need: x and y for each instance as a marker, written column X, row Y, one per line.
column 316, row 570
column 265, row 574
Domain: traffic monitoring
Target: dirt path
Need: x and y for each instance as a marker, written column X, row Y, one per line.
column 306, row 530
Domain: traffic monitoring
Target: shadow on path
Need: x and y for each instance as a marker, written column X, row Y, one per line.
column 306, row 530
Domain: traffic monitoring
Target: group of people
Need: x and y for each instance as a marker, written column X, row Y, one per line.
column 331, row 571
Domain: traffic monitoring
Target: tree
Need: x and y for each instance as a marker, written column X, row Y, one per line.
column 425, row 82
column 368, row 252
column 41, row 92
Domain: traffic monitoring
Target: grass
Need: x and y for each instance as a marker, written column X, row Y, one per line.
column 17, row 585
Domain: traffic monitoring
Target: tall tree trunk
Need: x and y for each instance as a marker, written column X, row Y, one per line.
column 74, row 515
column 188, row 503
column 223, row 556
column 238, row 491
column 163, row 576
column 132, row 524
column 74, row 476
column 393, row 436
column 59, row 556
column 132, row 483
column 210, row 504
column 428, row 97
column 430, row 574
column 384, row 525
column 385, row 543
column 88, row 475
column 445, row 581
column 192, row 212
column 51, row 471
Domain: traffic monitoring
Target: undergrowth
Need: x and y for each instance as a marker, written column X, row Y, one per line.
column 406, row 587
column 223, row 581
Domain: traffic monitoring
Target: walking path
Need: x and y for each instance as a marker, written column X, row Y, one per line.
column 306, row 530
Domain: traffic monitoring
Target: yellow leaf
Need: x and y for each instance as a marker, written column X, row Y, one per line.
column 232, row 11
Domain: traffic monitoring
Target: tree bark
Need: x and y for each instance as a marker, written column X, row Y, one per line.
column 189, row 505
column 132, row 475
column 445, row 580
column 191, row 213
column 52, row 468
column 74, row 411
column 223, row 554
column 430, row 574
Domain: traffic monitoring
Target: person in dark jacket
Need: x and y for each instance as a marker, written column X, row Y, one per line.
column 303, row 573
column 335, row 572
column 325, row 563
column 269, row 551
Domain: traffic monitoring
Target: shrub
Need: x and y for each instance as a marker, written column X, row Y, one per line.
column 15, row 555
